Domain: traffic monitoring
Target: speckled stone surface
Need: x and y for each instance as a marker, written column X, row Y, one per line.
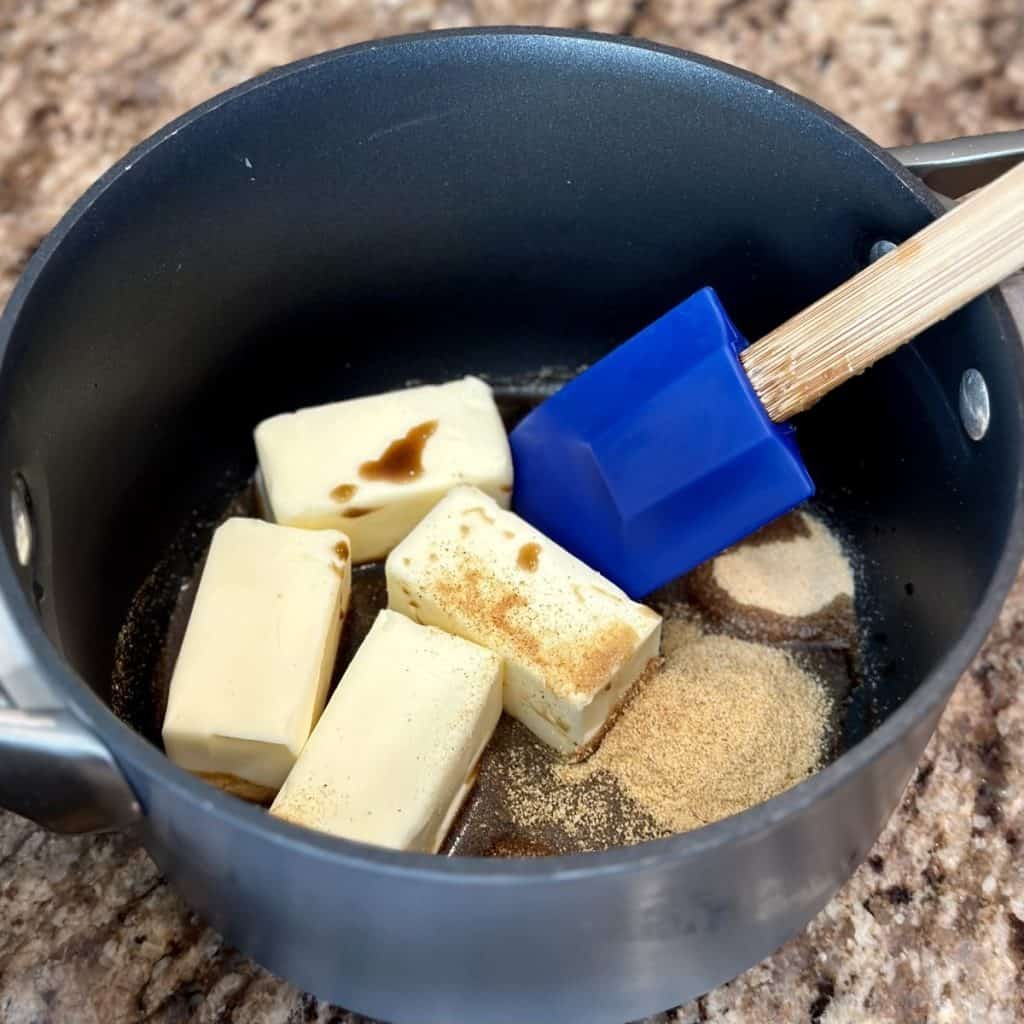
column 931, row 928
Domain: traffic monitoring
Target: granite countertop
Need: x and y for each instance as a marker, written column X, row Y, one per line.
column 931, row 927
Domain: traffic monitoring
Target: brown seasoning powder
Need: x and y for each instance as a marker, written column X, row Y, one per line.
column 793, row 577
column 790, row 581
column 520, row 798
column 577, row 664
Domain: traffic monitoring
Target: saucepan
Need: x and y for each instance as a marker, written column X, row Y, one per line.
column 495, row 202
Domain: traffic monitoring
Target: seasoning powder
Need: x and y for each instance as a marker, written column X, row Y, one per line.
column 722, row 725
column 793, row 576
column 790, row 581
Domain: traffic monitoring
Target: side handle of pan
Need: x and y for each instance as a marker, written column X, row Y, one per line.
column 957, row 166
column 53, row 769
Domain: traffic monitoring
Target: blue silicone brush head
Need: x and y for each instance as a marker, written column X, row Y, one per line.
column 658, row 456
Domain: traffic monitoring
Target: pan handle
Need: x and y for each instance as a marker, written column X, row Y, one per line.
column 53, row 770
column 958, row 166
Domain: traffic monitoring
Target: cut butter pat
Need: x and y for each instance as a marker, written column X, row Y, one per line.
column 572, row 642
column 394, row 754
column 375, row 466
column 253, row 672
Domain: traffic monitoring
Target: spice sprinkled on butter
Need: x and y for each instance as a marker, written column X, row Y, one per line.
column 568, row 662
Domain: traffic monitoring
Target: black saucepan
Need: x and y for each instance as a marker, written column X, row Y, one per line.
column 489, row 202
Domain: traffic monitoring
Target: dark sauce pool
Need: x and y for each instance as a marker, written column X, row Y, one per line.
column 516, row 770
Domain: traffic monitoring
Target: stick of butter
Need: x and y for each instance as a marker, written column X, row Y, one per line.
column 573, row 643
column 395, row 753
column 254, row 667
column 374, row 467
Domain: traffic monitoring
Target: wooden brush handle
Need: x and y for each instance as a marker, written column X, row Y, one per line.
column 931, row 275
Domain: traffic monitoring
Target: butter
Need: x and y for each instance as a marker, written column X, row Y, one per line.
column 573, row 643
column 375, row 466
column 254, row 667
column 394, row 754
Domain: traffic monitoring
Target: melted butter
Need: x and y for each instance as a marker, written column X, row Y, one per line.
column 402, row 460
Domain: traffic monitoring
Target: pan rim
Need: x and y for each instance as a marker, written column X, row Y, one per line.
column 127, row 747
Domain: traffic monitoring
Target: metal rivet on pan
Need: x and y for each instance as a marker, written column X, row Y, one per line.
column 975, row 411
column 880, row 248
column 20, row 521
